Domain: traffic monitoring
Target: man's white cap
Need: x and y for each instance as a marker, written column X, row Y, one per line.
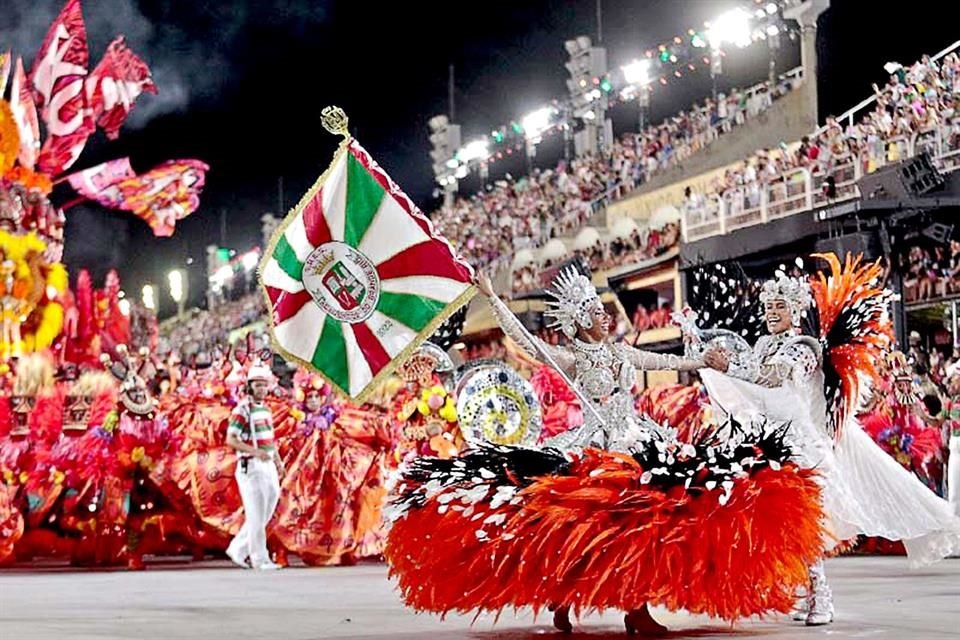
column 259, row 372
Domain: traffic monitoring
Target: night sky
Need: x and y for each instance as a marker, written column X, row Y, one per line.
column 234, row 80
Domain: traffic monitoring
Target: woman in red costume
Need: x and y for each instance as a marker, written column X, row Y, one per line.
column 71, row 472
column 424, row 408
column 116, row 439
column 332, row 493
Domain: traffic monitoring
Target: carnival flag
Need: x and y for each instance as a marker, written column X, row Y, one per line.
column 92, row 183
column 160, row 197
column 58, row 76
column 355, row 276
column 115, row 84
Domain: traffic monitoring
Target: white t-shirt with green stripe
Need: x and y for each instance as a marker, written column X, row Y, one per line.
column 248, row 413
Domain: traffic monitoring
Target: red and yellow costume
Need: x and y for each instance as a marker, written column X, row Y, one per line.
column 332, row 492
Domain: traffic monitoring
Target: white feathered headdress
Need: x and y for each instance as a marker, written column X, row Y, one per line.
column 575, row 299
column 794, row 291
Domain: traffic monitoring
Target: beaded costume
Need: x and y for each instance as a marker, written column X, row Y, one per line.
column 815, row 387
column 604, row 373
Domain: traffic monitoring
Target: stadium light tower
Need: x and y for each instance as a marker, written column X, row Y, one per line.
column 806, row 12
column 445, row 140
column 178, row 289
column 731, row 27
column 587, row 67
column 149, row 297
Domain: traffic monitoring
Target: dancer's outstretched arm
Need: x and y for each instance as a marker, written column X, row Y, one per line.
column 513, row 328
column 793, row 364
column 650, row 361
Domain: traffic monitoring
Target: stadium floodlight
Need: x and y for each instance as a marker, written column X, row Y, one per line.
column 437, row 123
column 478, row 149
column 577, row 45
column 221, row 277
column 149, row 297
column 175, row 278
column 892, row 67
column 178, row 289
column 536, row 122
column 250, row 260
column 731, row 27
column 637, row 72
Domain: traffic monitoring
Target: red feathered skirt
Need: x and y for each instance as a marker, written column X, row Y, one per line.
column 601, row 532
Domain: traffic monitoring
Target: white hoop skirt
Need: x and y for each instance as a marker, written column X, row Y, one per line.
column 865, row 491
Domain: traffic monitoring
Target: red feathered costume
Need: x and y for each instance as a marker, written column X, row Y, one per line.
column 606, row 530
column 683, row 407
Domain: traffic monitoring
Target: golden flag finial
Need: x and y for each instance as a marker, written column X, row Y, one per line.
column 335, row 121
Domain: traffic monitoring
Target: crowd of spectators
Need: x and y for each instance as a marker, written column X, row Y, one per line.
column 636, row 247
column 930, row 272
column 201, row 331
column 677, row 138
column 604, row 254
column 918, row 107
column 513, row 214
column 647, row 317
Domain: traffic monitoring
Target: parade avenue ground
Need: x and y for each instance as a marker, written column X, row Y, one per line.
column 876, row 597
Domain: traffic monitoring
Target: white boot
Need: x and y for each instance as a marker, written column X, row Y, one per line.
column 820, row 599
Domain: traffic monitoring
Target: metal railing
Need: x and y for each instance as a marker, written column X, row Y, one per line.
column 801, row 189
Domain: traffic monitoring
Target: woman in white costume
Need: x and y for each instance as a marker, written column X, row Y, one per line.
column 865, row 491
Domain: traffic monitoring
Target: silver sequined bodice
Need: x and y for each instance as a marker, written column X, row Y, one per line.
column 605, row 375
column 600, row 371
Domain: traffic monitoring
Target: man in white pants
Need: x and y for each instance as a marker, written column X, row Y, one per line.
column 250, row 433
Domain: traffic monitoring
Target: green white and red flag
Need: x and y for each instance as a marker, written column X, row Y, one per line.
column 356, row 278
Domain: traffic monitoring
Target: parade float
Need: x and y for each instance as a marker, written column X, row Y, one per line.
column 47, row 117
column 50, row 335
